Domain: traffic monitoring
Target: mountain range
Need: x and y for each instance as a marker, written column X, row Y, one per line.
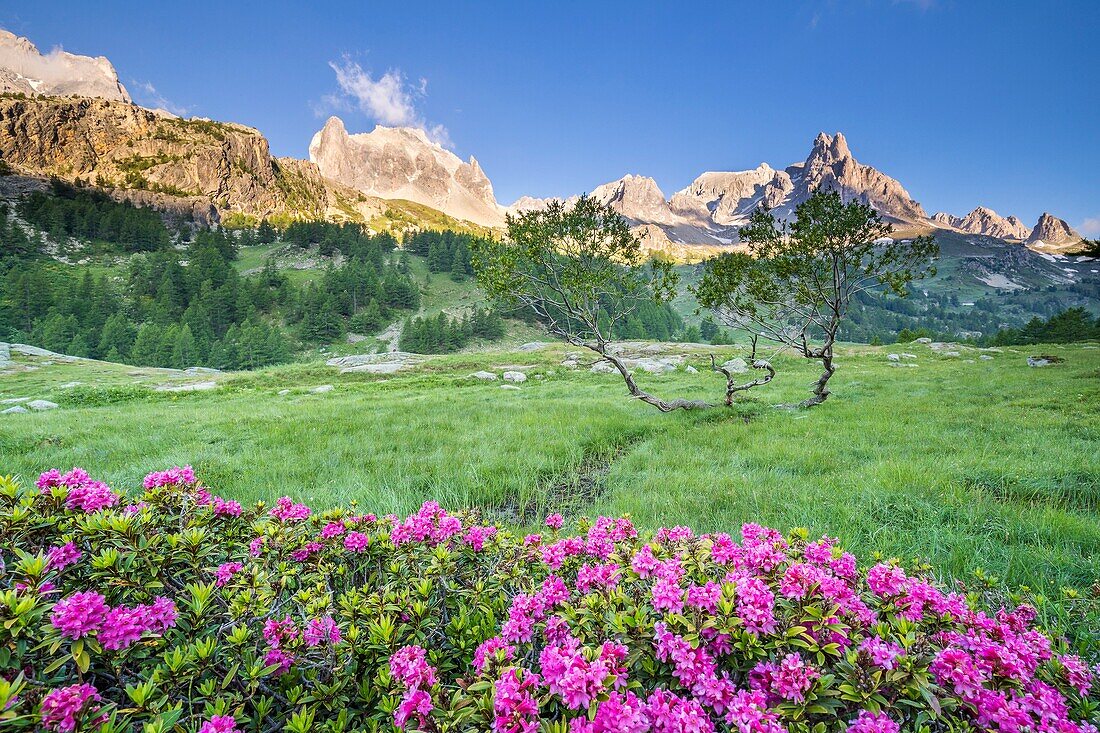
column 69, row 116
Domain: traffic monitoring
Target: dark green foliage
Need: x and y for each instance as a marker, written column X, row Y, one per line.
column 86, row 214
column 1073, row 324
column 446, row 251
column 441, row 335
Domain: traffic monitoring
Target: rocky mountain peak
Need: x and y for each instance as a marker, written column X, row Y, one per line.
column 985, row 221
column 25, row 70
column 638, row 198
column 403, row 163
column 1053, row 233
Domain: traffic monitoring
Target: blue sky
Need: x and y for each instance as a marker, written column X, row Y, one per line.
column 966, row 102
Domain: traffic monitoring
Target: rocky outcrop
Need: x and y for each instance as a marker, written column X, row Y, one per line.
column 726, row 198
column 985, row 222
column 402, row 163
column 25, row 70
column 195, row 167
column 637, row 198
column 1053, row 234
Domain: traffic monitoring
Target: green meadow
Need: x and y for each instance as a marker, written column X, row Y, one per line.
column 972, row 464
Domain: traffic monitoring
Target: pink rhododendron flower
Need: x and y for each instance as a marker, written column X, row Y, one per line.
column 280, row 659
column 320, row 630
column 869, row 722
column 1077, row 673
column 790, row 678
column 174, row 476
column 670, row 713
column 555, row 521
column 488, row 650
column 285, row 510
column 277, row 633
column 415, row 704
column 80, row 614
column 223, row 508
column 225, row 572
column 569, row 674
column 256, row 546
column 409, row 666
column 515, row 704
column 331, row 530
column 882, row 653
column 59, row 558
column 220, row 724
column 91, row 496
column 356, row 542
column 886, row 580
column 475, row 537
column 64, row 707
column 593, row 576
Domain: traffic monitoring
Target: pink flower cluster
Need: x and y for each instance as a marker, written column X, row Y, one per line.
column 116, row 628
column 789, row 679
column 84, row 493
column 409, row 667
column 430, row 525
column 225, row 572
column 62, row 556
column 223, row 508
column 220, row 724
column 174, row 476
column 321, row 630
column 285, row 510
column 65, row 707
column 516, row 705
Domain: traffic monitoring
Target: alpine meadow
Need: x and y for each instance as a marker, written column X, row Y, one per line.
column 303, row 429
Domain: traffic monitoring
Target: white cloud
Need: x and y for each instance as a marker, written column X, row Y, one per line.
column 390, row 99
column 1090, row 227
column 148, row 95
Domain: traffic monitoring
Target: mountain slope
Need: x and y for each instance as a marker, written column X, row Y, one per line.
column 401, row 162
column 25, row 70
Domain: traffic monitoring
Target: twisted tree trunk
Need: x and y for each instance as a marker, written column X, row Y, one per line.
column 732, row 387
column 637, row 392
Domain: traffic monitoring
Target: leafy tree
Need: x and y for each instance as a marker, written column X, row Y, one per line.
column 795, row 284
column 581, row 271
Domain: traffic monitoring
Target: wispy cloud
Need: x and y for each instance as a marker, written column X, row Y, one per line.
column 389, row 99
column 1090, row 227
column 148, row 95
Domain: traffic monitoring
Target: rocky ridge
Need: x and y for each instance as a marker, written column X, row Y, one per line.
column 26, row 70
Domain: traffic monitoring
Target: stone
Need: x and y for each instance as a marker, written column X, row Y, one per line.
column 192, row 387
column 14, row 400
column 569, row 363
column 42, row 405
column 532, row 346
column 893, row 357
column 924, row 340
column 908, row 356
column 283, row 392
column 690, row 369
column 653, row 349
column 5, row 351
column 517, row 377
column 985, row 357
column 510, row 386
column 1037, row 361
column 385, row 367
column 951, row 353
column 17, row 410
column 201, row 370
column 603, row 367
column 322, row 389
column 486, row 376
column 737, row 365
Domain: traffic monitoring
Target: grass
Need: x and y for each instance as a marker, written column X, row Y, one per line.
column 965, row 462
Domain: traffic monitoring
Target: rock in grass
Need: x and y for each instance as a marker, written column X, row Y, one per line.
column 532, row 346
column 485, row 376
column 17, row 410
column 510, row 386
column 42, row 405
column 517, row 377
column 924, row 340
column 322, row 389
column 569, row 363
column 690, row 369
column 1038, row 361
column 603, row 367
column 986, row 357
column 893, row 357
column 283, row 392
column 736, row 365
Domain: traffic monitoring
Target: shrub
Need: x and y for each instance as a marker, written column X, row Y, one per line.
column 181, row 610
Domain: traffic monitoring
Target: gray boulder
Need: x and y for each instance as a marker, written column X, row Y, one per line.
column 510, row 386
column 737, row 365
column 985, row 357
column 42, row 405
column 924, row 340
column 532, row 346
column 1038, row 361
column 17, row 410
column 603, row 367
column 893, row 357
column 517, row 377
column 690, row 369
column 486, row 376
column 322, row 389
